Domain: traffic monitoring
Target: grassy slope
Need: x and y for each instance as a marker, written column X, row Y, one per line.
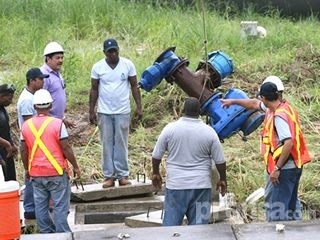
column 290, row 51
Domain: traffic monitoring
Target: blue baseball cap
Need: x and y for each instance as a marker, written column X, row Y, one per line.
column 110, row 44
column 267, row 89
column 35, row 73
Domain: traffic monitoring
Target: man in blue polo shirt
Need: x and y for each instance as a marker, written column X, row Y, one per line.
column 54, row 56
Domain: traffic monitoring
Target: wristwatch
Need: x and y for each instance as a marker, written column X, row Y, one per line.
column 277, row 168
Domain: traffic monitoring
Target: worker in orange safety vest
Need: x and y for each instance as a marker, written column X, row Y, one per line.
column 283, row 148
column 44, row 151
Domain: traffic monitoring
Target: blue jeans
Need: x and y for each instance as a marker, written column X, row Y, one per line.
column 281, row 200
column 194, row 203
column 58, row 189
column 114, row 134
column 28, row 200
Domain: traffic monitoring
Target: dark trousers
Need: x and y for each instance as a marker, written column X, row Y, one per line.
column 9, row 169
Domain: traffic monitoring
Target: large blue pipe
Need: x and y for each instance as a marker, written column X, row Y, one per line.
column 228, row 121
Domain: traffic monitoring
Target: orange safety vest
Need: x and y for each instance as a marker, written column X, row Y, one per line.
column 270, row 147
column 42, row 137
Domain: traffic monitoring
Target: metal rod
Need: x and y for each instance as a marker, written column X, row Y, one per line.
column 81, row 185
column 205, row 48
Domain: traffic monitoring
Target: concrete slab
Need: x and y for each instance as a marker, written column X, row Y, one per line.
column 203, row 232
column 96, row 227
column 154, row 218
column 265, row 231
column 55, row 236
column 95, row 192
column 88, row 227
column 112, row 211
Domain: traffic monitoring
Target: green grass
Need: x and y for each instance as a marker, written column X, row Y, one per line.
column 144, row 30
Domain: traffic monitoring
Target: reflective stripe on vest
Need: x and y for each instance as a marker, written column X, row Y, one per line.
column 39, row 143
column 266, row 141
column 271, row 150
column 297, row 128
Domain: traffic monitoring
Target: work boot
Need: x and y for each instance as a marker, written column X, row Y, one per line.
column 108, row 182
column 124, row 181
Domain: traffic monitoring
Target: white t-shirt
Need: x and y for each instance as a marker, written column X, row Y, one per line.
column 192, row 146
column 114, row 86
column 25, row 106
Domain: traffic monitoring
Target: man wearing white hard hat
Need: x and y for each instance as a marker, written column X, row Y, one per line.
column 277, row 81
column 283, row 148
column 45, row 152
column 55, row 84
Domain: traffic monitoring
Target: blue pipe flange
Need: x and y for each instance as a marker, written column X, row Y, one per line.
column 222, row 63
column 161, row 68
column 228, row 121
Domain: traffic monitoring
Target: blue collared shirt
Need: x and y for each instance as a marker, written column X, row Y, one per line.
column 56, row 86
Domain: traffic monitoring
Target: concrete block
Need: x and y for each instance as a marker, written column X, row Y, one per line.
column 151, row 219
column 114, row 210
column 97, row 227
column 95, row 192
column 293, row 230
column 203, row 232
column 49, row 236
column 218, row 214
column 248, row 29
column 109, row 217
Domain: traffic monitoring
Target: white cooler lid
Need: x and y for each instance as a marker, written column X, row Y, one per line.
column 9, row 186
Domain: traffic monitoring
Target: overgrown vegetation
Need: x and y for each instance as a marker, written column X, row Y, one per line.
column 291, row 51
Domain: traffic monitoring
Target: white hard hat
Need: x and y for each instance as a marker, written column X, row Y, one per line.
column 42, row 98
column 52, row 47
column 276, row 80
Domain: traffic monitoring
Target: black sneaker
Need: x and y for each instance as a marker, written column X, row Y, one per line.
column 29, row 215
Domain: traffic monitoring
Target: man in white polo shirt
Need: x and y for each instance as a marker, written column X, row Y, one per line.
column 111, row 80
